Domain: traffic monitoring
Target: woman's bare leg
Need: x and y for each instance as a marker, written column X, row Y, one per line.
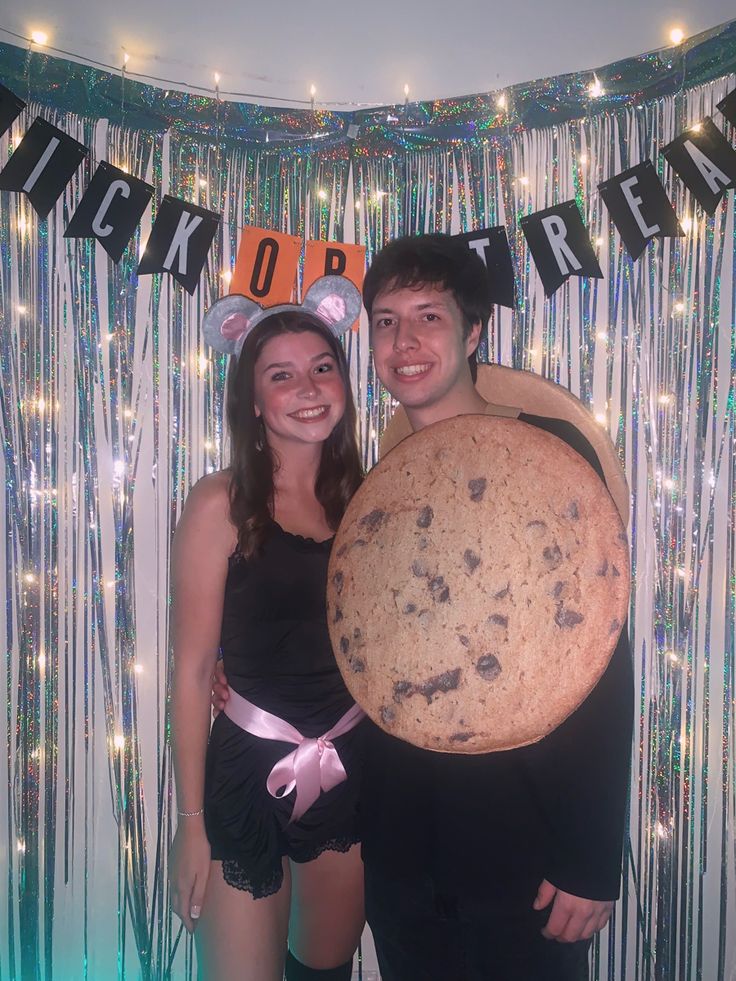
column 239, row 938
column 327, row 912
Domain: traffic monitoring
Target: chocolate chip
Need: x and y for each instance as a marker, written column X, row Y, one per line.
column 402, row 689
column 471, row 560
column 572, row 511
column 567, row 618
column 477, row 488
column 387, row 714
column 499, row 620
column 338, row 615
column 615, row 626
column 440, row 592
column 461, row 737
column 552, row 556
column 425, row 518
column 465, row 641
column 558, row 588
column 357, row 635
column 614, row 572
column 357, row 664
column 342, row 550
column 602, row 569
column 338, row 581
column 537, row 524
column 488, row 667
column 344, row 644
column 410, row 608
column 373, row 520
column 503, row 593
column 418, row 568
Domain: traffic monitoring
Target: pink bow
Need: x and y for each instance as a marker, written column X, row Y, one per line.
column 312, row 767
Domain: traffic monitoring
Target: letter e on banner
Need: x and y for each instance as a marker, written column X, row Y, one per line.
column 334, row 259
column 266, row 267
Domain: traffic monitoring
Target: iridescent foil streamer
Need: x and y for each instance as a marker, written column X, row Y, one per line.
column 111, row 408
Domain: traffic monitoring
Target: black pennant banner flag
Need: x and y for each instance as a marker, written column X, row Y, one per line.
column 110, row 210
column 639, row 207
column 560, row 245
column 728, row 107
column 42, row 165
column 492, row 245
column 10, row 108
column 180, row 240
column 704, row 160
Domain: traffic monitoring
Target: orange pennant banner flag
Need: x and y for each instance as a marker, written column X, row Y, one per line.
column 333, row 259
column 266, row 267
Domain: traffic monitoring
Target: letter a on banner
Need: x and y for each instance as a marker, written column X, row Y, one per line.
column 333, row 259
column 42, row 165
column 705, row 161
column 265, row 269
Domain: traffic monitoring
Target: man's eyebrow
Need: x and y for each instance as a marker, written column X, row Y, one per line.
column 290, row 364
column 419, row 306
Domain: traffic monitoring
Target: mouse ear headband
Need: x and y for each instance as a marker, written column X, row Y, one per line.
column 332, row 299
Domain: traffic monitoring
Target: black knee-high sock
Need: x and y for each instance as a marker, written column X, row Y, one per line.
column 296, row 971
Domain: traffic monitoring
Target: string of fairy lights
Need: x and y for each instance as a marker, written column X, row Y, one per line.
column 40, row 39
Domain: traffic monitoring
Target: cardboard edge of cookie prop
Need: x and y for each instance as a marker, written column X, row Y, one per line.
column 507, row 387
column 477, row 585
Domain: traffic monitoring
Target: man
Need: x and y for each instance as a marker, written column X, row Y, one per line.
column 498, row 867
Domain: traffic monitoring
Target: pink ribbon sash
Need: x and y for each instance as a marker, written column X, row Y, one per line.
column 312, row 767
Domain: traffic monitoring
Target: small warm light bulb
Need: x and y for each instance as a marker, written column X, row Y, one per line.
column 600, row 417
column 22, row 225
column 126, row 57
column 595, row 89
column 119, row 741
column 322, row 194
column 687, row 225
column 29, row 578
column 17, row 140
column 599, row 241
column 501, row 101
column 203, row 182
column 39, row 37
column 602, row 335
column 41, row 405
column 696, row 128
column 41, row 661
column 664, row 399
column 668, row 484
column 21, row 846
column 20, row 308
column 138, row 668
column 679, row 307
column 357, row 205
column 217, row 78
column 677, row 35
column 312, row 90
column 583, row 158
column 524, row 181
column 406, row 92
column 227, row 277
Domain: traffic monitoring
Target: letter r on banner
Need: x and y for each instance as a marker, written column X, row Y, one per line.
column 556, row 231
column 266, row 267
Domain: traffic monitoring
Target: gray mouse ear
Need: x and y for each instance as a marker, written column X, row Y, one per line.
column 335, row 300
column 228, row 321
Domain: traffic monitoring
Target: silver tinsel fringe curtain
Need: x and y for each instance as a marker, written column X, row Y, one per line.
column 111, row 408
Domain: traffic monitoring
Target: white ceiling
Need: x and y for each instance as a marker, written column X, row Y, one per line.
column 358, row 53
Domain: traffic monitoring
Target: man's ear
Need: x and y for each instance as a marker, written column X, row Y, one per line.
column 473, row 339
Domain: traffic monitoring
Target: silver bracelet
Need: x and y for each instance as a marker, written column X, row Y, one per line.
column 190, row 814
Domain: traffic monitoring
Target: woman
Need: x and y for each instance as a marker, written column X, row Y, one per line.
column 252, row 860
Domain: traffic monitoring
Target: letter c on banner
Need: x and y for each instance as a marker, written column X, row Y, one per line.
column 116, row 187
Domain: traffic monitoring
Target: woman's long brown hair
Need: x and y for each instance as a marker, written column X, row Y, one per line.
column 252, row 461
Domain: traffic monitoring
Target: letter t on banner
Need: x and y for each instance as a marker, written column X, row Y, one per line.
column 265, row 269
column 639, row 207
column 560, row 246
column 333, row 259
column 492, row 245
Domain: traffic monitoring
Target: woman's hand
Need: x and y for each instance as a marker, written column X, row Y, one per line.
column 189, row 867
